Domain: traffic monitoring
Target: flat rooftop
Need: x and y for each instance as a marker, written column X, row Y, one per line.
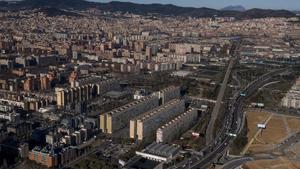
column 143, row 163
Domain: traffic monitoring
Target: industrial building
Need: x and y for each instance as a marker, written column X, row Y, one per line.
column 159, row 152
column 119, row 118
column 146, row 124
column 174, row 128
column 85, row 92
column 167, row 94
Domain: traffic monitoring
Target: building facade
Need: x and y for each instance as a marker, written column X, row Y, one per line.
column 85, row 92
column 167, row 94
column 120, row 117
column 174, row 128
column 145, row 125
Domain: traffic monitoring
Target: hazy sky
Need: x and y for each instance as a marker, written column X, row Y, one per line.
column 275, row 4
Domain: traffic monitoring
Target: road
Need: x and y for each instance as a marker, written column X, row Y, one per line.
column 232, row 124
column 236, row 162
column 218, row 104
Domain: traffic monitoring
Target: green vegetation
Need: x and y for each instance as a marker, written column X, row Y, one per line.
column 92, row 163
column 272, row 94
column 250, row 74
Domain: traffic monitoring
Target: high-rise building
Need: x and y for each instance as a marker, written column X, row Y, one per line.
column 45, row 82
column 149, row 52
column 84, row 92
column 73, row 77
column 29, row 84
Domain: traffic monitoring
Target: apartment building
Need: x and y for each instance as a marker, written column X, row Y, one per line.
column 119, row 118
column 146, row 124
column 85, row 92
column 174, row 128
column 44, row 156
column 167, row 94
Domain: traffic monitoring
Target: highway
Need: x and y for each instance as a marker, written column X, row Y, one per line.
column 217, row 107
column 233, row 123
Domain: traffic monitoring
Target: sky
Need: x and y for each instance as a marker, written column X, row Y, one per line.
column 267, row 4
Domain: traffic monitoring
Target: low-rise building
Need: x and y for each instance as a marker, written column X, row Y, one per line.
column 159, row 152
column 44, row 156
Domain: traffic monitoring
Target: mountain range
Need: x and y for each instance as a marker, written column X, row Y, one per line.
column 234, row 8
column 144, row 9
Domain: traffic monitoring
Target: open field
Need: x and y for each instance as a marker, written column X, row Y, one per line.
column 278, row 128
column 279, row 163
column 293, row 124
column 253, row 118
column 275, row 132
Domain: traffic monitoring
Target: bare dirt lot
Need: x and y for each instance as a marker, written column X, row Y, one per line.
column 278, row 128
column 279, row 163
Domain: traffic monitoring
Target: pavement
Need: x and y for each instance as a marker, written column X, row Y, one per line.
column 217, row 107
column 236, row 163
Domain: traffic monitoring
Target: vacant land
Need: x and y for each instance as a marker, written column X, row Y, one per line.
column 266, row 142
column 278, row 128
column 279, row 163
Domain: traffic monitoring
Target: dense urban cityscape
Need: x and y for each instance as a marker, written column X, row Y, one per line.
column 87, row 85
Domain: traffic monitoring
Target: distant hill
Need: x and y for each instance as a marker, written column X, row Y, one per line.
column 234, row 8
column 60, row 4
column 144, row 9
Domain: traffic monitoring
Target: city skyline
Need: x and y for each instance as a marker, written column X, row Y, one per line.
column 99, row 85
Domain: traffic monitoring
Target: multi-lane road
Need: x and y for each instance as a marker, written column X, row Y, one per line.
column 218, row 104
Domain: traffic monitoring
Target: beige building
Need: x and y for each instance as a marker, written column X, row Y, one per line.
column 119, row 118
column 174, row 128
column 84, row 92
column 146, row 124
